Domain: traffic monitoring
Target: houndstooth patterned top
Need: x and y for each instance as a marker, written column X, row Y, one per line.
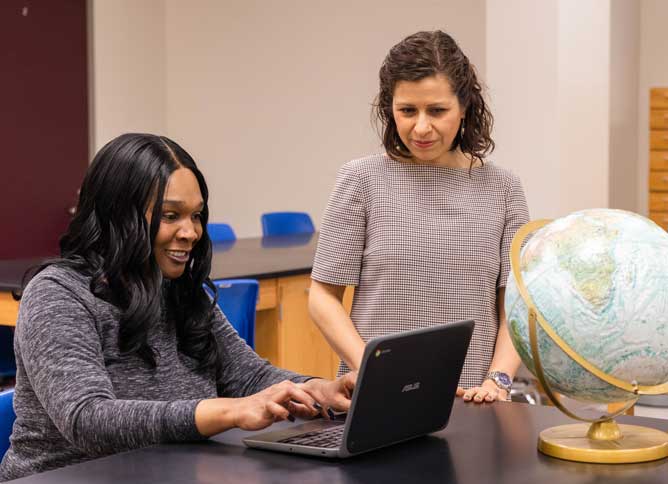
column 424, row 245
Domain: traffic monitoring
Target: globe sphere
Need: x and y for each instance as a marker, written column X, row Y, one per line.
column 600, row 279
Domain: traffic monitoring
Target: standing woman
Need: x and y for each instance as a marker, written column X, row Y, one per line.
column 423, row 230
column 118, row 345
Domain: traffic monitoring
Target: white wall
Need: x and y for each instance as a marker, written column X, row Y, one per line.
column 653, row 73
column 584, row 103
column 548, row 70
column 128, row 71
column 272, row 97
column 522, row 46
column 624, row 68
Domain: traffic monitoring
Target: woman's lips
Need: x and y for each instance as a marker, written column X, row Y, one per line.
column 179, row 256
column 423, row 144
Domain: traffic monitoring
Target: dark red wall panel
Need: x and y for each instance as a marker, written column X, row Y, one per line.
column 44, row 121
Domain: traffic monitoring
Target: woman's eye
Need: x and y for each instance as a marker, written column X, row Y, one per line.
column 437, row 110
column 407, row 110
column 169, row 216
column 197, row 216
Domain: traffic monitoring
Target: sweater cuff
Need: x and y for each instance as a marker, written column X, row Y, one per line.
column 179, row 421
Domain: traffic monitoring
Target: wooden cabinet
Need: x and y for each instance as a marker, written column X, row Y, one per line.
column 658, row 156
column 286, row 335
column 9, row 309
column 658, row 98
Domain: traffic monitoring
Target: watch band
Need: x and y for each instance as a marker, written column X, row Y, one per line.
column 500, row 379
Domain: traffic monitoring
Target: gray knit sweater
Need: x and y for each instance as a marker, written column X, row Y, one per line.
column 77, row 398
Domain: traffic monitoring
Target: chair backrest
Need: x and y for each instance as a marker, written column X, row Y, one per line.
column 237, row 299
column 7, row 417
column 220, row 232
column 285, row 223
column 7, row 359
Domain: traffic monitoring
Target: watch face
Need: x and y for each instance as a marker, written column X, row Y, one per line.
column 504, row 379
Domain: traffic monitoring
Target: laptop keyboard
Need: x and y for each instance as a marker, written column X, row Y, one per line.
column 326, row 438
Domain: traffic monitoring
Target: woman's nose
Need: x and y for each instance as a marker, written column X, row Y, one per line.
column 187, row 231
column 422, row 125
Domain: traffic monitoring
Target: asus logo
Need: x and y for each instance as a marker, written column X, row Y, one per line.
column 410, row 387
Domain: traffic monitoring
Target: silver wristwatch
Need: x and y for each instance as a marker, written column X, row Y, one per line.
column 502, row 380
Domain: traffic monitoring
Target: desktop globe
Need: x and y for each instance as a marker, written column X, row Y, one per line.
column 587, row 309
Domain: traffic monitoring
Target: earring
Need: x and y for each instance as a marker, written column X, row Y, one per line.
column 463, row 129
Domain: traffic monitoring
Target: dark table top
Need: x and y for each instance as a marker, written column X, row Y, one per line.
column 256, row 258
column 482, row 444
column 264, row 257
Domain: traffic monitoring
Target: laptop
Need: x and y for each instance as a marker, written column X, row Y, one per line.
column 405, row 389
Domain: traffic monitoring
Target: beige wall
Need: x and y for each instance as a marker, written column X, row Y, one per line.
column 128, row 68
column 522, row 46
column 584, row 103
column 653, row 73
column 272, row 97
column 548, row 71
column 624, row 65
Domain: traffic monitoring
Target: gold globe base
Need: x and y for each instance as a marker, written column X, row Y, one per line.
column 604, row 443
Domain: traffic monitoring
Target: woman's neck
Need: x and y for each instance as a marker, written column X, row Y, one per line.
column 451, row 159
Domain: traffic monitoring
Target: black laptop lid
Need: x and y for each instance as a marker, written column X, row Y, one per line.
column 410, row 380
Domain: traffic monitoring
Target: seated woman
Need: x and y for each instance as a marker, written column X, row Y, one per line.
column 118, row 345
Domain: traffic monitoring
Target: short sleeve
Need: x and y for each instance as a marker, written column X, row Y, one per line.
column 517, row 214
column 338, row 258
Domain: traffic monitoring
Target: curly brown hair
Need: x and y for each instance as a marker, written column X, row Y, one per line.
column 426, row 54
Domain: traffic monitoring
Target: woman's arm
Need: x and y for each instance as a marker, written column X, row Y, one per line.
column 326, row 309
column 277, row 402
column 243, row 372
column 505, row 360
column 505, row 357
column 61, row 354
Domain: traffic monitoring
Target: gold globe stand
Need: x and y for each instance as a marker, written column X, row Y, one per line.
column 603, row 441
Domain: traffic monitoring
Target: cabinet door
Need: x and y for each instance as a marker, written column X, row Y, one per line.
column 658, row 119
column 9, row 309
column 658, row 160
column 658, row 139
column 658, row 98
column 658, row 202
column 302, row 347
column 658, row 181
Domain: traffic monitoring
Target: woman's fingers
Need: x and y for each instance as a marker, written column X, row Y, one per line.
column 277, row 411
column 297, row 395
column 481, row 394
column 289, row 395
column 299, row 410
column 478, row 395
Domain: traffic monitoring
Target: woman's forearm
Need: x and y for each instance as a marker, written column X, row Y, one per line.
column 505, row 357
column 213, row 416
column 328, row 313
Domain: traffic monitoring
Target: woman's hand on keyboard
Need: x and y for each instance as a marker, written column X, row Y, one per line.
column 332, row 394
column 282, row 401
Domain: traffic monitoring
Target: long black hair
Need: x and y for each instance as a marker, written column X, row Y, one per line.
column 110, row 241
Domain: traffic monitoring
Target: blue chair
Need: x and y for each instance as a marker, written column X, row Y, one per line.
column 7, row 417
column 286, row 223
column 220, row 233
column 7, row 359
column 237, row 299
